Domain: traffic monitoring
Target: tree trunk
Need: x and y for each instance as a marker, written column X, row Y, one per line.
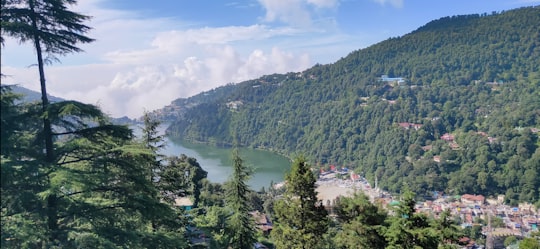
column 47, row 130
column 52, row 219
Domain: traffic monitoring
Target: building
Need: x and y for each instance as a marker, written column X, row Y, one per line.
column 447, row 137
column 262, row 222
column 184, row 202
column 468, row 199
column 393, row 81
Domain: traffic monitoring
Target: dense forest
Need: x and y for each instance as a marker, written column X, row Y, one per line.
column 459, row 111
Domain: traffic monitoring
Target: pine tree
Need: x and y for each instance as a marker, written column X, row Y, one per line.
column 53, row 30
column 409, row 229
column 449, row 232
column 180, row 177
column 301, row 219
column 103, row 197
column 362, row 222
column 153, row 141
column 240, row 223
column 150, row 133
column 22, row 215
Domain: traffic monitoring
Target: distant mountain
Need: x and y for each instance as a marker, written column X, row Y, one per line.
column 180, row 106
column 32, row 96
column 453, row 106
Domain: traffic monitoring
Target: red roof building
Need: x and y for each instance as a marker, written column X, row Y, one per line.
column 473, row 199
column 447, row 137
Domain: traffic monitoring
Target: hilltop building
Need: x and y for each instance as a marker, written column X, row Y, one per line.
column 399, row 81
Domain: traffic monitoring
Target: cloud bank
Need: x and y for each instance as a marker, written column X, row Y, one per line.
column 168, row 61
column 140, row 63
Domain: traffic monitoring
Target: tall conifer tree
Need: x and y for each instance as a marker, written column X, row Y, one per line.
column 53, row 30
column 362, row 223
column 409, row 229
column 301, row 219
column 241, row 224
column 103, row 196
column 22, row 215
column 154, row 141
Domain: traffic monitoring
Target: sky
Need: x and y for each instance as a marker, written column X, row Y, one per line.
column 149, row 53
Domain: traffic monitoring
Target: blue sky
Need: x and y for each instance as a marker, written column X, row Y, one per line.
column 148, row 53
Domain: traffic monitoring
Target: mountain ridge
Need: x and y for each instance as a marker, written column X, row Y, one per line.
column 462, row 76
column 31, row 95
column 34, row 96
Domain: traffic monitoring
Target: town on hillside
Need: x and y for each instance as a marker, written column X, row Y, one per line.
column 496, row 219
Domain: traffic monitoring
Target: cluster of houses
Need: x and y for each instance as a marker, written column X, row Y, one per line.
column 448, row 137
column 334, row 170
column 470, row 209
column 516, row 221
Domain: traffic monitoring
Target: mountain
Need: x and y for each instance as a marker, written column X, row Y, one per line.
column 179, row 107
column 33, row 96
column 453, row 106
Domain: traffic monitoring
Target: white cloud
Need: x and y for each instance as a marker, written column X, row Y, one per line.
column 394, row 3
column 129, row 89
column 144, row 64
column 173, row 44
column 324, row 3
column 222, row 35
column 287, row 11
column 294, row 12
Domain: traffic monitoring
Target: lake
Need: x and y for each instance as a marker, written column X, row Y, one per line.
column 269, row 167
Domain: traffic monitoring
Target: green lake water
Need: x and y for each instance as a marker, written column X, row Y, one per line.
column 269, row 167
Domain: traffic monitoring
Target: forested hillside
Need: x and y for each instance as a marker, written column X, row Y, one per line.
column 475, row 78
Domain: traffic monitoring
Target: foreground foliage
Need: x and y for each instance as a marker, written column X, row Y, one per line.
column 362, row 223
column 102, row 195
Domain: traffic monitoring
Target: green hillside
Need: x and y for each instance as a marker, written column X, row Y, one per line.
column 475, row 77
